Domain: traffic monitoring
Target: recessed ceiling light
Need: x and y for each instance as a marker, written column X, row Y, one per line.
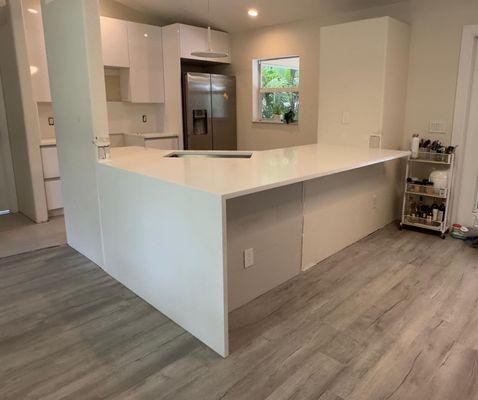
column 145, row 35
column 252, row 12
column 32, row 11
column 33, row 69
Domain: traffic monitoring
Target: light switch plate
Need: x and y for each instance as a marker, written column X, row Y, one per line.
column 248, row 258
column 438, row 126
column 346, row 118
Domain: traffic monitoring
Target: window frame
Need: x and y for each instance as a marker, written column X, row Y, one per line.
column 259, row 90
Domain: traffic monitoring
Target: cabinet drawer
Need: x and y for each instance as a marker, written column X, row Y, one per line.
column 163, row 143
column 49, row 158
column 54, row 198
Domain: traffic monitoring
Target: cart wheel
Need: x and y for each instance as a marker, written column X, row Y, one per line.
column 443, row 236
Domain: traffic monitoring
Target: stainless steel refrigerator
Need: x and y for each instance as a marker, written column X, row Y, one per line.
column 209, row 112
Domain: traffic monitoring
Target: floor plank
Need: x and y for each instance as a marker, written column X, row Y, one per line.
column 18, row 234
column 395, row 316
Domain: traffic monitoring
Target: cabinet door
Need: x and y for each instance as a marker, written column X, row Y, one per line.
column 221, row 42
column 192, row 38
column 114, row 42
column 36, row 51
column 163, row 143
column 146, row 75
column 49, row 158
column 54, row 197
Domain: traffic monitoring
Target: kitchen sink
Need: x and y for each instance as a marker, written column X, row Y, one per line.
column 209, row 154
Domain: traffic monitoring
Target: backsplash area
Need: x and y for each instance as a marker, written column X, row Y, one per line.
column 132, row 118
column 45, row 114
column 122, row 118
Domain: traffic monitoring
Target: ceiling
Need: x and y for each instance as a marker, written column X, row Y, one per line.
column 231, row 15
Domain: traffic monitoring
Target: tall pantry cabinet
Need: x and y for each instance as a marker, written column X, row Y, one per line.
column 362, row 83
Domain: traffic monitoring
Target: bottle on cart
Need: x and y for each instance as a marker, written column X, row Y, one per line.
column 415, row 145
column 435, row 212
column 441, row 212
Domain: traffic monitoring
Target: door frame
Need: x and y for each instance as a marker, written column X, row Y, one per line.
column 6, row 164
column 469, row 47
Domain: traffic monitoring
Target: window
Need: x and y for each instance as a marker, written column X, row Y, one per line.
column 278, row 90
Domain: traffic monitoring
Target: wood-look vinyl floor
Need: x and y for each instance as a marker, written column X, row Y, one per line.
column 394, row 316
column 19, row 235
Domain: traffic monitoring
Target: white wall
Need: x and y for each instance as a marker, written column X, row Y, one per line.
column 122, row 118
column 269, row 222
column 126, row 117
column 434, row 51
column 165, row 243
column 343, row 208
column 72, row 33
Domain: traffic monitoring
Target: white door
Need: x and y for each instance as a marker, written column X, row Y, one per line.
column 8, row 195
column 467, row 195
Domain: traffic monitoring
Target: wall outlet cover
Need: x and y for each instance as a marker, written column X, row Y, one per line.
column 438, row 126
column 345, row 118
column 248, row 258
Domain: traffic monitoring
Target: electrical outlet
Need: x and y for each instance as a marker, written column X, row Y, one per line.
column 438, row 127
column 374, row 202
column 51, row 121
column 145, row 118
column 248, row 258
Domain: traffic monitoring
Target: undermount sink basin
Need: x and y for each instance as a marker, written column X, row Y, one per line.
column 210, row 154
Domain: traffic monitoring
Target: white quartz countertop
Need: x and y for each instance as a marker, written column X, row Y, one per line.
column 234, row 177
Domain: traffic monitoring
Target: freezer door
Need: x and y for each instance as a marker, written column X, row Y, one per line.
column 197, row 108
column 223, row 112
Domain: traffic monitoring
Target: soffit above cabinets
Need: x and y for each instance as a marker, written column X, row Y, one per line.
column 231, row 15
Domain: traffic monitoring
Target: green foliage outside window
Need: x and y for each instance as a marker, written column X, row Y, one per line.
column 277, row 102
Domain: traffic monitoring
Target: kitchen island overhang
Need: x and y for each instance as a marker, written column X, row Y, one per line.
column 166, row 222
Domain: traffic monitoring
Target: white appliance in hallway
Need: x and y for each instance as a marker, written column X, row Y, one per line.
column 209, row 116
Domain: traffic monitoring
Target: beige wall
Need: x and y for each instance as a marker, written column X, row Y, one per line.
column 113, row 9
column 434, row 49
column 434, row 55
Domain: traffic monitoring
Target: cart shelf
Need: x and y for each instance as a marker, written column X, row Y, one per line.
column 443, row 194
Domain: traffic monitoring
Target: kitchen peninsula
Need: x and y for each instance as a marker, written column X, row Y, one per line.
column 199, row 236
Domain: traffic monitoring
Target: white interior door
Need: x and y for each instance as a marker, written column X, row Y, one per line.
column 8, row 195
column 467, row 196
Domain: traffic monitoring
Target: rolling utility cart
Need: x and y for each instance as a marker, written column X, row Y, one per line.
column 421, row 198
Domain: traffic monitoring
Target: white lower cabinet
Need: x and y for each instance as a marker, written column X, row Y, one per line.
column 54, row 198
column 49, row 158
column 51, row 175
column 163, row 144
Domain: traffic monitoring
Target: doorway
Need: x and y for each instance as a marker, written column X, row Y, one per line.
column 465, row 131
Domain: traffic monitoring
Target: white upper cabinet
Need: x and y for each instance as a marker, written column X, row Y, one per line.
column 114, row 42
column 36, row 50
column 145, row 83
column 193, row 38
